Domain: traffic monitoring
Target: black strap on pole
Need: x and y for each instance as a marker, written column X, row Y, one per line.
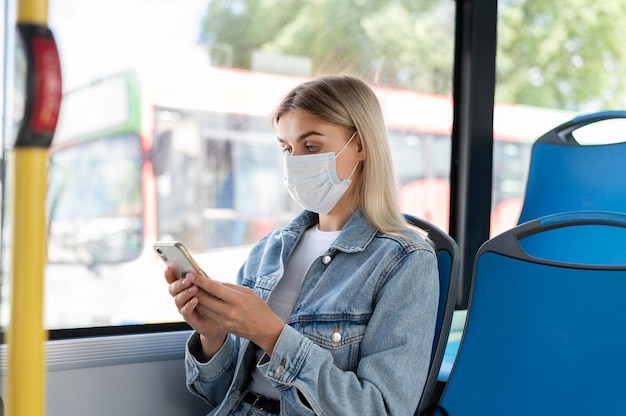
column 43, row 87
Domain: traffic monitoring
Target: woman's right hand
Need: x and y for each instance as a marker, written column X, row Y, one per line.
column 186, row 295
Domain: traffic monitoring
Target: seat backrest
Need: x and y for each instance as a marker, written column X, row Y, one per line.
column 566, row 176
column 449, row 262
column 545, row 325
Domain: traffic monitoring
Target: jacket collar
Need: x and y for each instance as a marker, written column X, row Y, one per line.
column 354, row 236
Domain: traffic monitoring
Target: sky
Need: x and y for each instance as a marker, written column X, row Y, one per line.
column 99, row 37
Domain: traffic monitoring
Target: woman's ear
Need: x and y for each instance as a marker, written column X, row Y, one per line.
column 359, row 145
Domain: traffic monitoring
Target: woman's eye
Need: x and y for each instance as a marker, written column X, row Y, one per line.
column 312, row 148
column 286, row 150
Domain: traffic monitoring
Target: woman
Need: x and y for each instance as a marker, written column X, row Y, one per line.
column 334, row 313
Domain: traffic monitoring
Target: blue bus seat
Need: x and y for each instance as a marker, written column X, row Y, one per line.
column 447, row 252
column 545, row 325
column 566, row 176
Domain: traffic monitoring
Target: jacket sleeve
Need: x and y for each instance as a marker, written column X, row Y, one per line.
column 210, row 380
column 394, row 355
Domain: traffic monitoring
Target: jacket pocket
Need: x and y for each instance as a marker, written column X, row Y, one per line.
column 341, row 337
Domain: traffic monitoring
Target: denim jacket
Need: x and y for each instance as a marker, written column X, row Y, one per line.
column 359, row 339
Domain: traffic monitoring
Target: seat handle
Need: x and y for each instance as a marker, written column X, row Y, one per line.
column 509, row 243
column 562, row 134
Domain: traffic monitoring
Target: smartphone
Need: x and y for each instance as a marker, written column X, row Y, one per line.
column 175, row 255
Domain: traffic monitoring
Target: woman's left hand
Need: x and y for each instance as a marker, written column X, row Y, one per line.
column 239, row 311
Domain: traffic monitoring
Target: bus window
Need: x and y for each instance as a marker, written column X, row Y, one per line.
column 548, row 85
column 202, row 162
column 178, row 145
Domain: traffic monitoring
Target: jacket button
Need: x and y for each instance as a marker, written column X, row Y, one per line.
column 336, row 337
column 326, row 259
column 280, row 370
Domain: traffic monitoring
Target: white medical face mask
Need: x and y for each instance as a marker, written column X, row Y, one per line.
column 312, row 180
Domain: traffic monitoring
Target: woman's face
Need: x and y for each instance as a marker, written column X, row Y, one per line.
column 300, row 134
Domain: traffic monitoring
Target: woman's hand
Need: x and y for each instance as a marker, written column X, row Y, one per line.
column 212, row 307
column 185, row 296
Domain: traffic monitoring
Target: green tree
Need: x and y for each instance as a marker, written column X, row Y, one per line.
column 245, row 25
column 561, row 54
column 389, row 43
column 551, row 54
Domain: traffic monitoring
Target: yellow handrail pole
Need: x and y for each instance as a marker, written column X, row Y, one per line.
column 26, row 355
column 26, row 335
column 32, row 11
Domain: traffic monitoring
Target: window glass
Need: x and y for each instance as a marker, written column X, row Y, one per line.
column 12, row 96
column 165, row 132
column 94, row 202
column 553, row 63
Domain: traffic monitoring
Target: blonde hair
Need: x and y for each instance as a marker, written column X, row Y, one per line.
column 348, row 101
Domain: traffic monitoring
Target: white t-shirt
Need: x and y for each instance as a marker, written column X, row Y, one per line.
column 313, row 244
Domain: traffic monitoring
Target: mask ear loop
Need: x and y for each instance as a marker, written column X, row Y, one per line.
column 347, row 143
column 344, row 146
column 353, row 170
